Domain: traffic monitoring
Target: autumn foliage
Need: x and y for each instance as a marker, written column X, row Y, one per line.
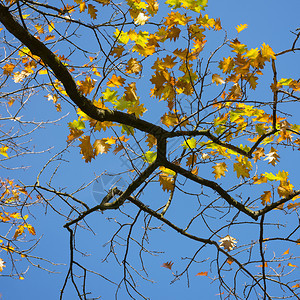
column 194, row 124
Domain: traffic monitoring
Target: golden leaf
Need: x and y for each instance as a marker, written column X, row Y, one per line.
column 86, row 149
column 220, row 169
column 241, row 27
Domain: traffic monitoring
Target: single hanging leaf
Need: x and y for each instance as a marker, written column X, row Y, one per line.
column 3, row 151
column 116, row 81
column 217, row 79
column 228, row 242
column 168, row 265
column 285, row 189
column 272, row 157
column 220, row 169
column 166, row 182
column 101, row 146
column 241, row 27
column 286, row 252
column 92, row 11
column 86, row 149
column 2, row 264
column 150, row 156
column 133, row 66
column 189, row 144
column 266, row 197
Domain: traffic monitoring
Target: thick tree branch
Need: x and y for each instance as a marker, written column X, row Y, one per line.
column 213, row 185
column 63, row 75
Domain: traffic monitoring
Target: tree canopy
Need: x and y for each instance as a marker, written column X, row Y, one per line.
column 147, row 127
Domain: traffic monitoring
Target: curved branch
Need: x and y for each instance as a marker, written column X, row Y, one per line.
column 63, row 75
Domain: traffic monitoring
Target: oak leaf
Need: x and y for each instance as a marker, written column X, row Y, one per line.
column 101, row 146
column 8, row 69
column 74, row 134
column 86, row 149
column 133, row 66
column 168, row 265
column 92, row 11
column 217, row 79
column 87, row 85
column 3, row 151
column 266, row 197
column 220, row 169
column 285, row 189
column 241, row 27
column 166, row 182
column 141, row 19
column 258, row 153
column 272, row 157
column 116, row 81
column 189, row 144
column 228, row 242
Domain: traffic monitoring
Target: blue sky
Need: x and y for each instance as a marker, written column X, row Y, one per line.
column 268, row 22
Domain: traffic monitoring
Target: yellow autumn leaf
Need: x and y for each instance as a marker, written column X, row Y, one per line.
column 51, row 26
column 141, row 19
column 8, row 69
column 217, row 79
column 133, row 66
column 241, row 170
column 166, row 182
column 267, row 52
column 116, row 81
column 2, row 264
column 219, row 170
column 87, row 85
column 285, row 189
column 272, row 157
column 3, row 151
column 286, row 252
column 266, row 197
column 101, row 146
column 86, row 149
column 291, row 265
column 241, row 27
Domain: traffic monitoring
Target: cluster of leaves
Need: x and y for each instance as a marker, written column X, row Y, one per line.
column 226, row 137
column 12, row 219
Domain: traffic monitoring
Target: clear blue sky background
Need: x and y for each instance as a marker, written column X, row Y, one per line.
column 268, row 22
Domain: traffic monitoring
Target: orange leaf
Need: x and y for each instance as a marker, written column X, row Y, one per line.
column 202, row 274
column 291, row 265
column 86, row 149
column 266, row 197
column 166, row 182
column 116, row 81
column 260, row 266
column 92, row 11
column 286, row 252
column 8, row 69
column 168, row 265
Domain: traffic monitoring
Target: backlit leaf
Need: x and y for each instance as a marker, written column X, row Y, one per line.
column 241, row 27
column 189, row 144
column 266, row 197
column 220, row 169
column 86, row 149
column 168, row 265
